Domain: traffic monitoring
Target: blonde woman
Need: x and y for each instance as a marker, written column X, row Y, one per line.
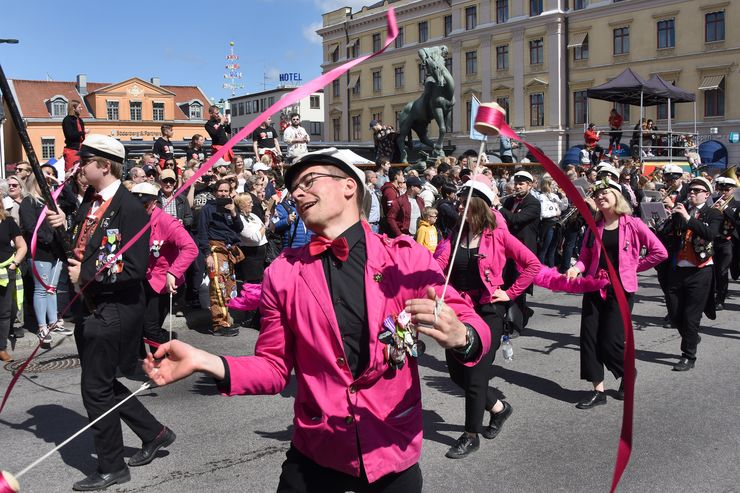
column 602, row 329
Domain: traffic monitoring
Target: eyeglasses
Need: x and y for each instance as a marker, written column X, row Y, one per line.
column 307, row 181
column 697, row 190
column 27, row 170
column 168, row 181
column 12, row 185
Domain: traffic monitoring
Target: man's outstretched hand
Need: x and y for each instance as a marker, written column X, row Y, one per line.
column 175, row 360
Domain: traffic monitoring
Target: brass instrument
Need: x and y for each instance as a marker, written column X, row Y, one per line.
column 566, row 217
column 722, row 203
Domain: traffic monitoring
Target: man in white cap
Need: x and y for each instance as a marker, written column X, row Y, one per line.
column 328, row 313
column 690, row 232
column 108, row 333
column 522, row 214
column 723, row 243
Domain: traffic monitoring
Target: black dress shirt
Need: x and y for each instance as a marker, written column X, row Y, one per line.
column 346, row 282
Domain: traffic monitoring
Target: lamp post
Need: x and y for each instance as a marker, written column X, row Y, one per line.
column 2, row 122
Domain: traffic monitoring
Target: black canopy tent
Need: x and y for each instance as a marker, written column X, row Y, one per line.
column 629, row 88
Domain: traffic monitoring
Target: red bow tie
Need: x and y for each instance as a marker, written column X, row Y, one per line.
column 339, row 247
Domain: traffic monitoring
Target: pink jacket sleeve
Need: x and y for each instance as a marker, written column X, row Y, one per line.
column 656, row 252
column 526, row 263
column 268, row 371
column 442, row 254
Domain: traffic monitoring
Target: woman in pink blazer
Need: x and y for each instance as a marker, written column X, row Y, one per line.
column 602, row 330
column 171, row 251
column 477, row 274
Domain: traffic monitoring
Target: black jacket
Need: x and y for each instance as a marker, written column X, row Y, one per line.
column 47, row 248
column 73, row 137
column 523, row 220
column 123, row 219
column 706, row 227
column 184, row 212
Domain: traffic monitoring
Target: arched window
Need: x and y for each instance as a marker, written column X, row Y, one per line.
column 58, row 107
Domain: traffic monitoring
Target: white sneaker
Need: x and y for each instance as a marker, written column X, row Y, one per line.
column 46, row 339
column 61, row 329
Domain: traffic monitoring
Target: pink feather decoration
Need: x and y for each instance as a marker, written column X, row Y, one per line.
column 249, row 299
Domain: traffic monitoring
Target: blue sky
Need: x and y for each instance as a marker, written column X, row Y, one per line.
column 183, row 42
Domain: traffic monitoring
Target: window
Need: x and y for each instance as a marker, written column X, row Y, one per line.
column 376, row 42
column 314, row 128
column 535, row 7
column 398, row 77
column 666, row 34
column 241, row 109
column 336, row 128
column 377, row 81
column 663, row 111
column 714, row 27
column 423, row 31
column 270, row 101
column 580, row 107
column 196, row 111
column 448, row 25
column 503, row 101
column 135, row 107
column 471, row 62
column 502, row 11
column 502, row 57
column 581, row 52
column 335, row 88
column 353, row 50
column 47, row 148
column 624, row 110
column 622, row 41
column 356, row 133
column 262, row 104
column 448, row 63
column 399, row 38
column 356, row 88
column 335, row 55
column 471, row 17
column 158, row 112
column 58, row 107
column 377, row 116
column 537, row 109
column 536, row 51
column 112, row 109
column 314, row 103
column 714, row 101
column 580, row 4
column 422, row 74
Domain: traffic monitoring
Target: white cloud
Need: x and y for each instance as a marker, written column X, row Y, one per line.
column 330, row 5
column 309, row 32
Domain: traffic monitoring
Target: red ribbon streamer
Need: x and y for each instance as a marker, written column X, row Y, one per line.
column 289, row 99
column 497, row 119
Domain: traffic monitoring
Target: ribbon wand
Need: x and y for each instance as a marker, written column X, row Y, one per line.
column 9, row 482
column 59, row 233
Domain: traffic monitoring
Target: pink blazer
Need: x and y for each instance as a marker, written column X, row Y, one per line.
column 497, row 246
column 299, row 330
column 176, row 253
column 633, row 235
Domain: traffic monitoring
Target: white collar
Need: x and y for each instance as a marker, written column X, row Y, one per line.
column 108, row 192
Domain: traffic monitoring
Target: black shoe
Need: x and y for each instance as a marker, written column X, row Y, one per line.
column 97, row 481
column 497, row 422
column 149, row 450
column 593, row 399
column 463, row 446
column 17, row 333
column 719, row 307
column 684, row 364
column 620, row 393
column 515, row 333
column 225, row 331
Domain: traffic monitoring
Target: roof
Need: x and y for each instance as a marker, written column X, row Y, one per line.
column 32, row 95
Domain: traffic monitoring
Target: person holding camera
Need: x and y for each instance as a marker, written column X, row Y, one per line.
column 219, row 226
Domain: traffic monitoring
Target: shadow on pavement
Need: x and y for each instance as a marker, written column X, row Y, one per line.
column 720, row 332
column 561, row 340
column 539, row 385
column 563, row 311
column 656, row 357
column 434, row 426
column 281, row 435
column 205, row 385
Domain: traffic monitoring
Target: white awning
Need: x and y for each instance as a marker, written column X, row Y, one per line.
column 711, row 82
column 578, row 40
column 353, row 79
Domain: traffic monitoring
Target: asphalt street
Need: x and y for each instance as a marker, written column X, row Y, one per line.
column 686, row 433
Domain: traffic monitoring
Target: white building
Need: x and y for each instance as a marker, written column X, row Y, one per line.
column 246, row 108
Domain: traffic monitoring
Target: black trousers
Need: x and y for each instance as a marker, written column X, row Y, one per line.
column 157, row 307
column 302, row 475
column 722, row 260
column 602, row 336
column 108, row 338
column 688, row 290
column 479, row 397
column 662, row 270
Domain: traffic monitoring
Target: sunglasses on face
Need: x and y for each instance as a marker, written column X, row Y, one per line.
column 168, row 181
column 697, row 190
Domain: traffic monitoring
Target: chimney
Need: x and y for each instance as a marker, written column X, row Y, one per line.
column 154, row 81
column 82, row 84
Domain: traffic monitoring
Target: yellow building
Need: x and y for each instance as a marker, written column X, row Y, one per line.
column 131, row 110
column 534, row 58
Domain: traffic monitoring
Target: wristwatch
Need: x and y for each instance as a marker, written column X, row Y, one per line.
column 469, row 338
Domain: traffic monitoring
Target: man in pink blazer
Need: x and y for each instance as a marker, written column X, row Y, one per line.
column 358, row 419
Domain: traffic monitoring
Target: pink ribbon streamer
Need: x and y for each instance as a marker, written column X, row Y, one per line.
column 289, row 99
column 497, row 119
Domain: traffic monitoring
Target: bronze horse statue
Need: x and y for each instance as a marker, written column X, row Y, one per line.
column 434, row 104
